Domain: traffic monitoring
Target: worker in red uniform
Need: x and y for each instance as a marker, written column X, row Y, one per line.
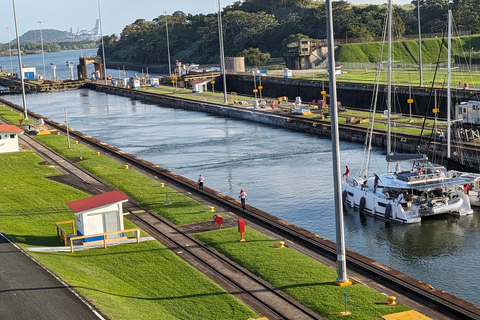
column 201, row 180
column 243, row 196
column 347, row 171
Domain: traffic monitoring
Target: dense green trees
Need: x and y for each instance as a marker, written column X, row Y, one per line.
column 266, row 26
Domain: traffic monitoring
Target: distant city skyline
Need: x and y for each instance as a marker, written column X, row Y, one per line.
column 116, row 14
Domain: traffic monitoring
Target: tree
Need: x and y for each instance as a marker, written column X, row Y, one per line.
column 254, row 57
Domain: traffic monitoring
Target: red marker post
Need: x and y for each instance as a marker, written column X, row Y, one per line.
column 219, row 220
column 241, row 228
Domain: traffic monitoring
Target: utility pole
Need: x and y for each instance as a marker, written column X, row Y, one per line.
column 20, row 63
column 222, row 53
column 9, row 50
column 43, row 55
column 168, row 45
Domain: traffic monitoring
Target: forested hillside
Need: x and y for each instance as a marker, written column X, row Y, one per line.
column 270, row 25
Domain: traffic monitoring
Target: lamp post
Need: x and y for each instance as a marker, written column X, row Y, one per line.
column 168, row 45
column 20, row 62
column 222, row 53
column 103, row 45
column 9, row 50
column 43, row 55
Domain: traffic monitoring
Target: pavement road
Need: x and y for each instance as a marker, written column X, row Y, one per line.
column 29, row 291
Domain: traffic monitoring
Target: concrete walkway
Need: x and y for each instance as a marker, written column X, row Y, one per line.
column 29, row 291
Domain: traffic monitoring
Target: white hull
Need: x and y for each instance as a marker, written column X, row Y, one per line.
column 383, row 205
column 377, row 205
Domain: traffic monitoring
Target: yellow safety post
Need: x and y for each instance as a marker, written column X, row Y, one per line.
column 212, row 209
column 98, row 153
column 281, row 244
column 126, row 166
column 392, row 300
column 162, row 185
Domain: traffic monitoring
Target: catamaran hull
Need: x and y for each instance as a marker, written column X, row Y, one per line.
column 377, row 205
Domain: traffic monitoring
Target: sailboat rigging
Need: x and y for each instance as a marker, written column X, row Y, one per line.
column 406, row 196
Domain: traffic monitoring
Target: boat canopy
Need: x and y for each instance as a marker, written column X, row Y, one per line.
column 405, row 157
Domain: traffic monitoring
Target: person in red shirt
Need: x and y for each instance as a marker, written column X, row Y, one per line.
column 201, row 180
column 243, row 196
column 347, row 171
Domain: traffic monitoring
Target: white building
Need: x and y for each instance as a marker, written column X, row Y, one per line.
column 199, row 85
column 100, row 214
column 9, row 138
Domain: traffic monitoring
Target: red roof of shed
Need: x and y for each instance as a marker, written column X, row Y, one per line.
column 97, row 201
column 9, row 128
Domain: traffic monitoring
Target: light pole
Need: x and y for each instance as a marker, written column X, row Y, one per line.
column 419, row 43
column 222, row 53
column 103, row 45
column 43, row 55
column 9, row 50
column 168, row 45
column 20, row 63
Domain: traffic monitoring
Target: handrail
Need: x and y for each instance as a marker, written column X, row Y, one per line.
column 61, row 233
column 136, row 232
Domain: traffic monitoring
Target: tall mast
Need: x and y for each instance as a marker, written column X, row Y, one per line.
column 419, row 43
column 389, row 84
column 449, row 66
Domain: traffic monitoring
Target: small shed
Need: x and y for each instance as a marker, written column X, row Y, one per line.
column 199, row 85
column 29, row 72
column 99, row 214
column 9, row 138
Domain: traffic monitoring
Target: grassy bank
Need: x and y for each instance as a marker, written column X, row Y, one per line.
column 122, row 280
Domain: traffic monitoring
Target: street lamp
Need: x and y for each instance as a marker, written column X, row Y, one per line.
column 103, row 45
column 168, row 44
column 9, row 50
column 20, row 62
column 222, row 53
column 43, row 55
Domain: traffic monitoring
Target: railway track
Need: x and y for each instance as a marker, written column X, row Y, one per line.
column 258, row 294
column 449, row 306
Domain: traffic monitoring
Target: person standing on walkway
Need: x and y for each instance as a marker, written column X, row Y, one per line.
column 201, row 180
column 243, row 196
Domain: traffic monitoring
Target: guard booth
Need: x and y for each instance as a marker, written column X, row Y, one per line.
column 199, row 85
column 9, row 138
column 100, row 214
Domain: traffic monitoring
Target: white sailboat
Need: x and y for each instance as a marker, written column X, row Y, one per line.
column 406, row 196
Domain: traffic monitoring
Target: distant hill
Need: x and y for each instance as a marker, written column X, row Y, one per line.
column 48, row 35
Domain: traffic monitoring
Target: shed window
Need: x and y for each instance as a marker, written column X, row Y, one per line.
column 12, row 136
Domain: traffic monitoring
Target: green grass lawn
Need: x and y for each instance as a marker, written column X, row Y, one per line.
column 301, row 277
column 121, row 280
column 131, row 281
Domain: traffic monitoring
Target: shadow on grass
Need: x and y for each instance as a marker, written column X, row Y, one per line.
column 37, row 241
column 35, row 211
column 120, row 295
column 101, row 252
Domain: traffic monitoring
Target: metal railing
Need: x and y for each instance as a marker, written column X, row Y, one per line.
column 61, row 233
column 136, row 234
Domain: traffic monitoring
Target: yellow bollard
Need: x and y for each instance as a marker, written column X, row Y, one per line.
column 58, row 133
column 126, row 166
column 76, row 141
column 392, row 300
column 281, row 244
column 98, row 153
column 212, row 209
column 162, row 185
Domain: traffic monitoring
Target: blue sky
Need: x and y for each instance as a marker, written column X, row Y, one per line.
column 66, row 14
